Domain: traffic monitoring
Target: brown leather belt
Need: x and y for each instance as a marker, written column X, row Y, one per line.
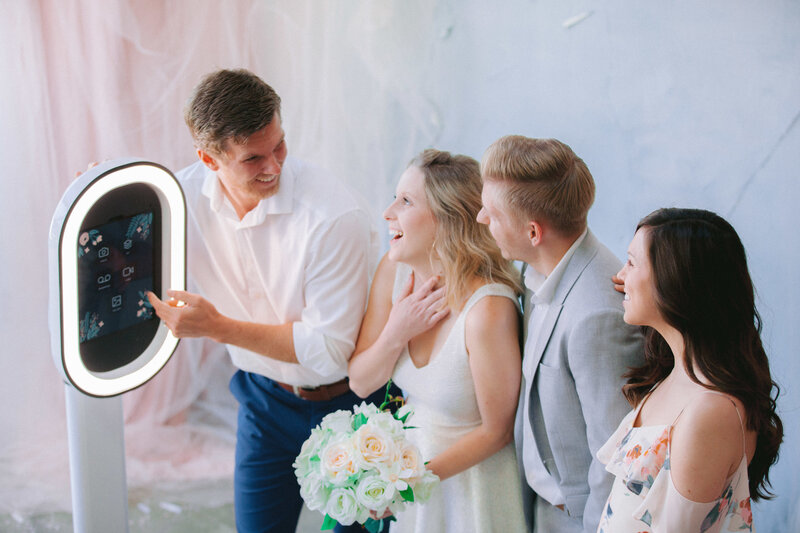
column 318, row 394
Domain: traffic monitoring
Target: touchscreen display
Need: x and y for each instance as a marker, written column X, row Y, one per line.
column 115, row 269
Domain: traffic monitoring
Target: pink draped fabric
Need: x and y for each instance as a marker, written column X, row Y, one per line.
column 86, row 81
column 89, row 80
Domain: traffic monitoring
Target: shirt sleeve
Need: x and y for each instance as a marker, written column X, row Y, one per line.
column 335, row 294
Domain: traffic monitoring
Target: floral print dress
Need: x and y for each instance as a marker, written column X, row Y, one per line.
column 643, row 497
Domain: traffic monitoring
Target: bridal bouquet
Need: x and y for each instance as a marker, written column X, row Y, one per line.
column 357, row 465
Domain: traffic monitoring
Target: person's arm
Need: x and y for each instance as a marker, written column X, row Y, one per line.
column 705, row 448
column 334, row 294
column 492, row 337
column 601, row 348
column 197, row 317
column 386, row 328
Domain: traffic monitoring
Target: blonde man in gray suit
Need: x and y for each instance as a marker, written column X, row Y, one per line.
column 536, row 196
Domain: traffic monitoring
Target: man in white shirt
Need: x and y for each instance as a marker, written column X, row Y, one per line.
column 278, row 257
column 536, row 197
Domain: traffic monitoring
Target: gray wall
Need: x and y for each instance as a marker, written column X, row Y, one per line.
column 679, row 103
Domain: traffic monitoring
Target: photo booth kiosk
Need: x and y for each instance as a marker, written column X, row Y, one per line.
column 118, row 232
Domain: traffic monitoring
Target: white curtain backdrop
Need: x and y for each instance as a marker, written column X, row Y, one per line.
column 670, row 103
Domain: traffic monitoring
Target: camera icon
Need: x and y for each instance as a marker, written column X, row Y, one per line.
column 102, row 252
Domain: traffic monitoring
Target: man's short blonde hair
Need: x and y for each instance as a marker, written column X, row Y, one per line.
column 546, row 180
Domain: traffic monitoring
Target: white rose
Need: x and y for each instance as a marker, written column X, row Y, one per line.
column 387, row 423
column 339, row 422
column 393, row 475
column 314, row 493
column 367, row 409
column 398, row 505
column 343, row 507
column 304, row 464
column 374, row 448
column 337, row 461
column 403, row 410
column 424, row 486
column 374, row 493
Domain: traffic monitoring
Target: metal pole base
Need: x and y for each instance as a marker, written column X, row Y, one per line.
column 97, row 463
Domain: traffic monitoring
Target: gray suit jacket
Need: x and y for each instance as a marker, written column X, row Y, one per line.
column 573, row 378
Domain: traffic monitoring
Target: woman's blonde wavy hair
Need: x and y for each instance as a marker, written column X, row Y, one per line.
column 464, row 247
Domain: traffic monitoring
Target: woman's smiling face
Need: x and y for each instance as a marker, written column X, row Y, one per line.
column 637, row 274
column 412, row 226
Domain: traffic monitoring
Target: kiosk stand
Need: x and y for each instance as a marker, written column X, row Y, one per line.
column 118, row 232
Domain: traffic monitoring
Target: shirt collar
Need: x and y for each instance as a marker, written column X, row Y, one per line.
column 544, row 287
column 280, row 203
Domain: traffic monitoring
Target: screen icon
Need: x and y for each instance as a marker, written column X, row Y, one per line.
column 116, row 301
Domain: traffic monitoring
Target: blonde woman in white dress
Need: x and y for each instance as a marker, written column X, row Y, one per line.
column 443, row 323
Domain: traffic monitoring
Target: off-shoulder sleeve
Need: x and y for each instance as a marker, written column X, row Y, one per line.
column 667, row 511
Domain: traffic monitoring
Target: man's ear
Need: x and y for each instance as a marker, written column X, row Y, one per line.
column 535, row 232
column 208, row 160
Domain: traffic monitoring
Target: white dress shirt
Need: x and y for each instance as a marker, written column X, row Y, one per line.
column 543, row 288
column 301, row 256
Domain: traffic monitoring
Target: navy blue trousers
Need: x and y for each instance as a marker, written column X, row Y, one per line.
column 272, row 426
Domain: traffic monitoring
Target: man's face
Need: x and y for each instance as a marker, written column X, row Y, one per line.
column 507, row 228
column 251, row 171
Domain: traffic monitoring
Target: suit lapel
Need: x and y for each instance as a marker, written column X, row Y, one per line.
column 580, row 259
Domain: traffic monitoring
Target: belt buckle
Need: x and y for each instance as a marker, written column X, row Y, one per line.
column 296, row 391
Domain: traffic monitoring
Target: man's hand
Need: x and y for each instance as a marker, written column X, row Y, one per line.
column 186, row 314
column 619, row 285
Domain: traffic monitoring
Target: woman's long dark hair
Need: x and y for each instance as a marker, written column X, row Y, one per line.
column 703, row 289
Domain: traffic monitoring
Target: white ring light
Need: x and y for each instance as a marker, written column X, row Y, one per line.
column 102, row 180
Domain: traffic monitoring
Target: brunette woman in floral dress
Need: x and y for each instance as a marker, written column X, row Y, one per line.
column 704, row 432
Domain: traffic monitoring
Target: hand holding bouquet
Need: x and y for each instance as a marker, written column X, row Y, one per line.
column 358, row 464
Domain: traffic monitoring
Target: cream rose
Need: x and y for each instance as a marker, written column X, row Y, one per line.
column 411, row 461
column 337, row 460
column 374, row 447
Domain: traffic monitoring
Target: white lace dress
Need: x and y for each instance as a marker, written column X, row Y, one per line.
column 486, row 497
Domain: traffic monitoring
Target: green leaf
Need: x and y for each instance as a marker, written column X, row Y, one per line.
column 378, row 526
column 373, row 526
column 359, row 421
column 328, row 523
column 314, row 459
column 403, row 418
column 387, row 399
column 407, row 494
